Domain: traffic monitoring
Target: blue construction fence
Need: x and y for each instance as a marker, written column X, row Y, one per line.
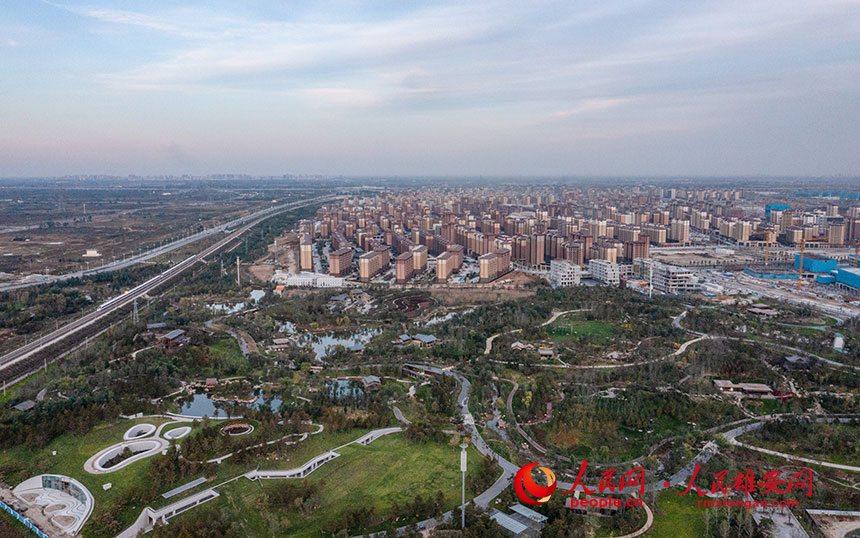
column 786, row 276
column 23, row 520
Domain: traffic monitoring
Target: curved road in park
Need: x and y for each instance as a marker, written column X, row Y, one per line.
column 731, row 437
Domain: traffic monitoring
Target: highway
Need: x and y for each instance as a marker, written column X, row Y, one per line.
column 106, row 309
column 150, row 254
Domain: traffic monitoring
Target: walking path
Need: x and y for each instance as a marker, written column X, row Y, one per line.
column 488, row 346
column 155, row 442
column 731, row 437
column 398, row 414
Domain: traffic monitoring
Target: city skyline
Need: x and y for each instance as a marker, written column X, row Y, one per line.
column 617, row 88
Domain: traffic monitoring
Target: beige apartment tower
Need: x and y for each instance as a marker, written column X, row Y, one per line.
column 306, row 252
column 444, row 266
column 403, row 268
column 340, row 262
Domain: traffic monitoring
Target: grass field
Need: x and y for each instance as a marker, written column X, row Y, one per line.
column 803, row 447
column 389, row 470
column 678, row 516
column 73, row 451
column 596, row 332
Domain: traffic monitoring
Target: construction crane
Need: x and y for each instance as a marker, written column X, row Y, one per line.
column 800, row 265
column 767, row 248
column 856, row 248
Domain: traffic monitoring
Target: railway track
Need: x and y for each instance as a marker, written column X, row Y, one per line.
column 23, row 361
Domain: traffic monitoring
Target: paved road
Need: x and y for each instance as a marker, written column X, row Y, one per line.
column 126, row 299
column 677, row 324
column 488, row 346
column 731, row 437
column 510, row 403
column 398, row 414
column 150, row 254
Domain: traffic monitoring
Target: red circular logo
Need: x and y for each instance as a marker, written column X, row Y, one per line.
column 528, row 490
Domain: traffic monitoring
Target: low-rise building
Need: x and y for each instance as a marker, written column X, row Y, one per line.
column 749, row 390
column 425, row 339
column 605, row 271
column 665, row 278
column 173, row 340
column 420, row 371
column 371, row 382
column 307, row 280
column 564, row 274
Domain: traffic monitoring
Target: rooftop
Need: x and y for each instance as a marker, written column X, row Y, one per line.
column 529, row 513
column 175, row 333
column 508, row 523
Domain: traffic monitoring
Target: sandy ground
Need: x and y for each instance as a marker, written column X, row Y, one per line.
column 262, row 272
column 286, row 257
column 454, row 296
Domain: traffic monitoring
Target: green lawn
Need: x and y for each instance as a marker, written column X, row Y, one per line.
column 597, row 332
column 678, row 516
column 73, row 451
column 389, row 470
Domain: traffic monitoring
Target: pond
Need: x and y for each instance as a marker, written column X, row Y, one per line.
column 224, row 308
column 435, row 320
column 322, row 345
column 227, row 308
column 202, row 405
column 345, row 387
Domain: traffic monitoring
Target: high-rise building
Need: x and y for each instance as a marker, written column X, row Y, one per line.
column 419, row 258
column 679, row 231
column 306, row 253
column 488, row 266
column 340, row 262
column 403, row 269
column 444, row 266
column 836, row 234
column 370, row 264
column 636, row 249
column 456, row 255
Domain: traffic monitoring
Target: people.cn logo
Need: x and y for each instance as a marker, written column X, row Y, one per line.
column 528, row 490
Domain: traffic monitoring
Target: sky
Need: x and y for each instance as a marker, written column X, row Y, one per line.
column 578, row 87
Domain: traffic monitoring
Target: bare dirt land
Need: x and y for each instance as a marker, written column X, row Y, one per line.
column 282, row 254
column 262, row 271
column 51, row 228
column 455, row 296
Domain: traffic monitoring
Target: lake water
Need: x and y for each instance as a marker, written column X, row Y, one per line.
column 223, row 308
column 323, row 344
column 447, row 317
column 201, row 405
column 226, row 308
column 345, row 387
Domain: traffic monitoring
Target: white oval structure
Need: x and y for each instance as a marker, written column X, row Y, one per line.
column 100, row 463
column 237, row 428
column 177, row 433
column 139, row 430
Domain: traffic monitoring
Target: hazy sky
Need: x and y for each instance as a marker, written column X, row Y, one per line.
column 575, row 87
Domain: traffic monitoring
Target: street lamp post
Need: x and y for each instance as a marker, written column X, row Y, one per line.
column 463, row 446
